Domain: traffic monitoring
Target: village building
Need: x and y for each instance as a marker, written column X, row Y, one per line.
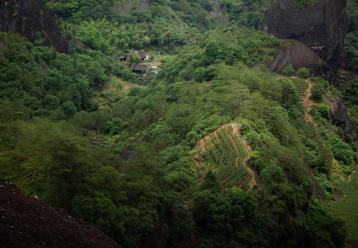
column 139, row 69
column 122, row 58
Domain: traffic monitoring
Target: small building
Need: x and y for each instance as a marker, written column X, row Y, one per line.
column 122, row 58
column 139, row 69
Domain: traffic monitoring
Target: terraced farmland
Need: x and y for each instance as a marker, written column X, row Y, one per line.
column 301, row 86
column 225, row 154
column 304, row 90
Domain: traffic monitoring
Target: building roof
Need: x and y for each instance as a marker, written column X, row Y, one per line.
column 139, row 67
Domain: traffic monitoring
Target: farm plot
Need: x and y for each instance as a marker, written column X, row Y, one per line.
column 225, row 154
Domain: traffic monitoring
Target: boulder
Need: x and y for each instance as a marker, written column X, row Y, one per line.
column 297, row 55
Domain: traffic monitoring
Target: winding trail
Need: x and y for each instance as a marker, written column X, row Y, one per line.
column 236, row 131
column 306, row 101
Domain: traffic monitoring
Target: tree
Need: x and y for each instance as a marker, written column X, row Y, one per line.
column 47, row 159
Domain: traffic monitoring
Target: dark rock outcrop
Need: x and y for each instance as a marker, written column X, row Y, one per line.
column 298, row 55
column 26, row 222
column 321, row 27
column 158, row 237
column 338, row 114
column 31, row 19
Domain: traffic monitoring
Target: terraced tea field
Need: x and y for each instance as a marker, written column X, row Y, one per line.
column 304, row 90
column 301, row 86
column 225, row 154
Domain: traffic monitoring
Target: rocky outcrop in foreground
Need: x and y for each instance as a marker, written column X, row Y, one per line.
column 321, row 27
column 26, row 222
column 32, row 20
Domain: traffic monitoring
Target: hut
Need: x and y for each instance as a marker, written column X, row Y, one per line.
column 139, row 69
column 122, row 58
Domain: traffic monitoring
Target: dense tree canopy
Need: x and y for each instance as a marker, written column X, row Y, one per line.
column 81, row 131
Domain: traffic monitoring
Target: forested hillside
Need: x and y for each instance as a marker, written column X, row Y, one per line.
column 163, row 125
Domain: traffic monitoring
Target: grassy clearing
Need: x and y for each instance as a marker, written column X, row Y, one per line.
column 119, row 85
column 115, row 90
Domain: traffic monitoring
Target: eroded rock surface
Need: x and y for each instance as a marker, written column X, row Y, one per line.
column 321, row 27
column 339, row 115
column 32, row 20
column 298, row 55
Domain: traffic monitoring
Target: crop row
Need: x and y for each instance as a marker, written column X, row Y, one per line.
column 224, row 155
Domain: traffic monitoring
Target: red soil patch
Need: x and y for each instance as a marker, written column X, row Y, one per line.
column 26, row 222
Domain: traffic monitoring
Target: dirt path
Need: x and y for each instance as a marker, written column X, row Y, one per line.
column 307, row 103
column 236, row 131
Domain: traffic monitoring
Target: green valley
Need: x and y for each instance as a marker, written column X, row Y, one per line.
column 163, row 124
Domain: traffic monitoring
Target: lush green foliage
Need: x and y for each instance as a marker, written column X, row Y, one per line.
column 48, row 83
column 83, row 132
column 349, row 89
column 306, row 3
column 352, row 37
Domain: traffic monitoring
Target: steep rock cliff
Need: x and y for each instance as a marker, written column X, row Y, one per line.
column 31, row 19
column 315, row 30
column 321, row 27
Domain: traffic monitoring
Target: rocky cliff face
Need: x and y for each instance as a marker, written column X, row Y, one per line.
column 31, row 19
column 321, row 27
column 316, row 36
column 338, row 114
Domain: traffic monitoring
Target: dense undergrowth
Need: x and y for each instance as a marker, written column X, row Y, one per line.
column 126, row 163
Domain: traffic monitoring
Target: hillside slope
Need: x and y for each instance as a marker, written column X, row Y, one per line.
column 225, row 153
column 26, row 222
column 214, row 150
column 32, row 20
